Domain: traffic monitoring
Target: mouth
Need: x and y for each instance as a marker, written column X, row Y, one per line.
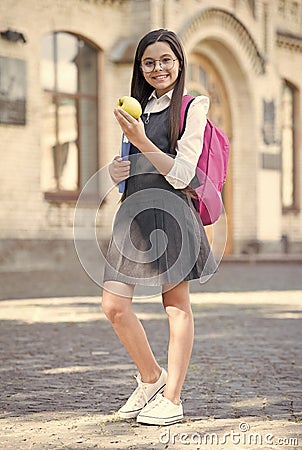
column 160, row 77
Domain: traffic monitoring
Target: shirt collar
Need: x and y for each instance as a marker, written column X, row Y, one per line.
column 167, row 94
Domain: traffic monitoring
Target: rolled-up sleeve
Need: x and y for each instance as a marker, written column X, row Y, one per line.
column 189, row 147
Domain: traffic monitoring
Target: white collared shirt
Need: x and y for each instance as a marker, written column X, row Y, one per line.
column 189, row 147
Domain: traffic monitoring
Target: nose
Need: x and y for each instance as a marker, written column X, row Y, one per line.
column 157, row 65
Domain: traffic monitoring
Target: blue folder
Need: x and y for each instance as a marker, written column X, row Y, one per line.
column 125, row 149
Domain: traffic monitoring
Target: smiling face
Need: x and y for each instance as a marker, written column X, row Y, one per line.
column 161, row 79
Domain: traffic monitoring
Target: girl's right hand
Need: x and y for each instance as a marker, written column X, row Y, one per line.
column 119, row 169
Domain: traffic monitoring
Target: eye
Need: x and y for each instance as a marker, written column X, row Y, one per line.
column 166, row 60
column 149, row 63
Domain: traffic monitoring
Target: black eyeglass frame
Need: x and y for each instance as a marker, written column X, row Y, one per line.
column 160, row 63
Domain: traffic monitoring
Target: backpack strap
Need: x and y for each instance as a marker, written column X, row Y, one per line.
column 186, row 102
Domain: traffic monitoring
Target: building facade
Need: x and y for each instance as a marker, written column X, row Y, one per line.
column 63, row 65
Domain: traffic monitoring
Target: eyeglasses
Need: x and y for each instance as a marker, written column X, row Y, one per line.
column 166, row 63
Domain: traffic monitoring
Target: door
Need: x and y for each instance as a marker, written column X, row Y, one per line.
column 204, row 79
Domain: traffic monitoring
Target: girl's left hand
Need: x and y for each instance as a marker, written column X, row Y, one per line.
column 132, row 128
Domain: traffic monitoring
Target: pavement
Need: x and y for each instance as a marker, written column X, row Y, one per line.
column 64, row 374
column 66, row 277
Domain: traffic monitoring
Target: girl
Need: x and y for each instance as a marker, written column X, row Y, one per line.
column 158, row 238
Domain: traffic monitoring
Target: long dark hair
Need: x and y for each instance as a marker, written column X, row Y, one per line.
column 141, row 89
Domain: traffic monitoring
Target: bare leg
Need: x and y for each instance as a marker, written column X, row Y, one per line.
column 117, row 306
column 177, row 304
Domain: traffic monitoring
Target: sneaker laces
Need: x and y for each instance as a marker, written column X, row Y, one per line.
column 157, row 401
column 138, row 394
column 160, row 399
column 141, row 387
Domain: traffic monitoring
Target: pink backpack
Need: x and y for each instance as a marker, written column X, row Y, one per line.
column 211, row 167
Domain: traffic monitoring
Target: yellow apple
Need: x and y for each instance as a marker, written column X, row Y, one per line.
column 130, row 105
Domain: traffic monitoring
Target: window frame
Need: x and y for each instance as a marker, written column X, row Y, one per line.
column 69, row 196
column 294, row 207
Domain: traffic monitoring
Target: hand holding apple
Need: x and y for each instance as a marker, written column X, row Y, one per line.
column 130, row 105
column 128, row 114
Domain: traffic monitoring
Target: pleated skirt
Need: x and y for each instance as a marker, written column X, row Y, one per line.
column 158, row 237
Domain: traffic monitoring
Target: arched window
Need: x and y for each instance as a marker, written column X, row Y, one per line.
column 289, row 198
column 203, row 79
column 70, row 115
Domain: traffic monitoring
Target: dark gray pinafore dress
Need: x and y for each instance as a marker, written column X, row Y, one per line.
column 158, row 237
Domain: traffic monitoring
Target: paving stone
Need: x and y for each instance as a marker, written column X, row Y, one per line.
column 63, row 372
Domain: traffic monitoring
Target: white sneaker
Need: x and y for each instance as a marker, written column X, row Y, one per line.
column 161, row 412
column 143, row 394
